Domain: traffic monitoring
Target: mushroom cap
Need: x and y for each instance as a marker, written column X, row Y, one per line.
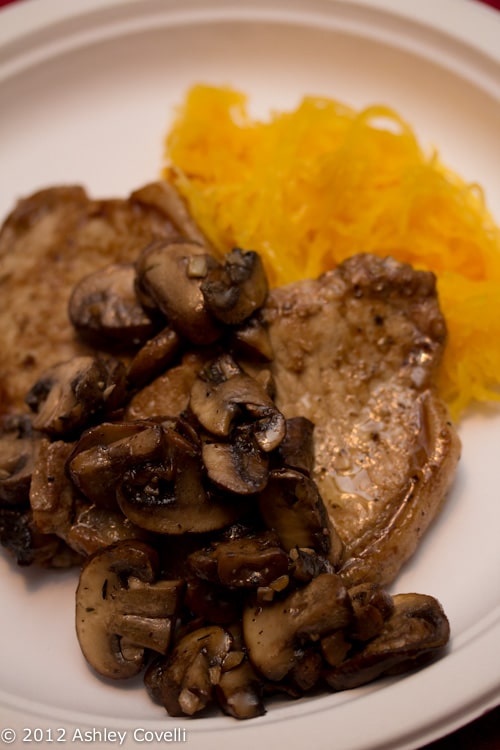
column 165, row 197
column 104, row 308
column 239, row 692
column 169, row 496
column 236, row 466
column 105, row 452
column 154, row 357
column 292, row 505
column 19, row 446
column 235, row 290
column 248, row 562
column 416, row 631
column 184, row 682
column 217, row 405
column 272, row 631
column 165, row 274
column 70, row 394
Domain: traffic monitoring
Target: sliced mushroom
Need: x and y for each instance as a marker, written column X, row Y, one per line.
column 170, row 273
column 71, row 393
column 93, row 529
column 105, row 452
column 291, row 505
column 169, row 496
column 335, row 647
column 184, row 682
column 273, row 632
column 251, row 340
column 169, row 393
column 154, row 357
column 52, row 494
column 237, row 466
column 216, row 405
column 307, row 669
column 296, row 450
column 122, row 610
column 306, row 564
column 239, row 691
column 415, row 632
column 104, row 308
column 18, row 452
column 234, row 290
column 20, row 536
column 372, row 605
column 249, row 562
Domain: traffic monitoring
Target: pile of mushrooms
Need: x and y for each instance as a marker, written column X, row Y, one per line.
column 208, row 559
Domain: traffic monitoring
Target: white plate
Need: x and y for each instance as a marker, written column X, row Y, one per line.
column 86, row 94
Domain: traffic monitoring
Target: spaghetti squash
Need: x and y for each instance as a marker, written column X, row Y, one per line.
column 310, row 187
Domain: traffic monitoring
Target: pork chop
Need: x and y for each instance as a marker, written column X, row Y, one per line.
column 356, row 352
column 50, row 241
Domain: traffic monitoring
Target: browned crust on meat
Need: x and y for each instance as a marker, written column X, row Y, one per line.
column 356, row 351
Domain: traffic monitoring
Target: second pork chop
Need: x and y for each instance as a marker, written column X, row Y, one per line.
column 356, row 352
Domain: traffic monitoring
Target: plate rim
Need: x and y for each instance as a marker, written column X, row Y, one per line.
column 24, row 21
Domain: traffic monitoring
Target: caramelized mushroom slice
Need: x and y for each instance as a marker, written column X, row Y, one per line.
column 306, row 564
column 335, row 647
column 18, row 452
column 170, row 273
column 169, row 496
column 237, row 466
column 372, row 605
column 93, row 529
column 184, row 682
column 20, row 536
column 169, row 393
column 296, row 451
column 415, row 632
column 235, row 290
column 71, row 393
column 307, row 669
column 154, row 357
column 105, row 310
column 216, row 405
column 105, row 452
column 52, row 494
column 239, row 692
column 251, row 340
column 291, row 505
column 249, row 562
column 122, row 610
column 272, row 632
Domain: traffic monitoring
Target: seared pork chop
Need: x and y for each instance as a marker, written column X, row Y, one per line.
column 50, row 241
column 356, row 352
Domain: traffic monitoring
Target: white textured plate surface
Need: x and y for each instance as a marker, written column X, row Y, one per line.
column 86, row 92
